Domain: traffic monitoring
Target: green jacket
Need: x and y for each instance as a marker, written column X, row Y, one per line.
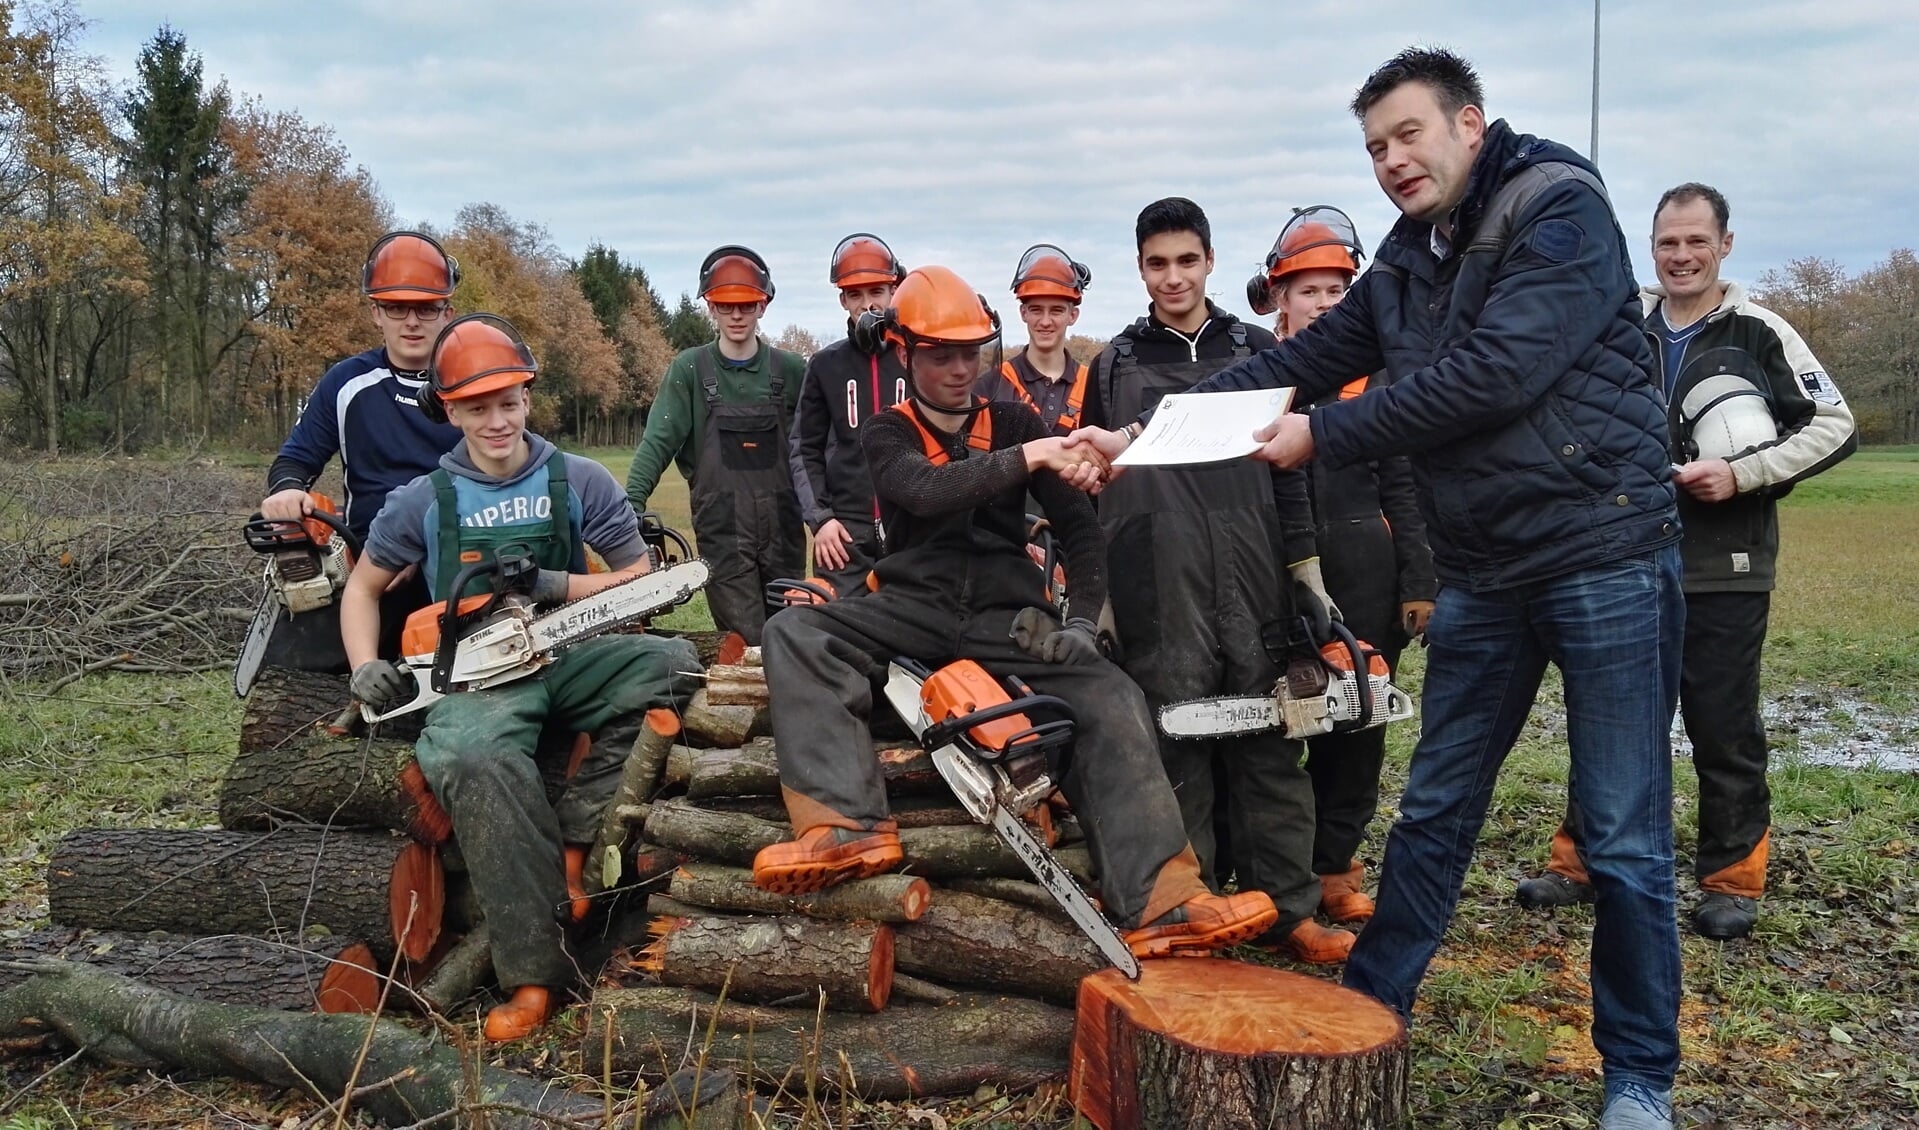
column 677, row 421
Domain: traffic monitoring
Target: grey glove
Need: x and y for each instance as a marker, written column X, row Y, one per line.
column 1308, row 573
column 380, row 684
column 1042, row 637
column 550, row 586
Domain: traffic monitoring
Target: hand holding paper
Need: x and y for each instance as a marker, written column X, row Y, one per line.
column 1211, row 427
column 1286, row 442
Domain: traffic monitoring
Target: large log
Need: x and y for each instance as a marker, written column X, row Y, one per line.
column 906, row 1051
column 223, row 968
column 335, row 783
column 753, row 769
column 1022, row 891
column 964, row 939
column 408, row 1076
column 291, row 881
column 286, row 704
column 790, row 959
column 883, row 898
column 1221, row 1045
column 946, row 851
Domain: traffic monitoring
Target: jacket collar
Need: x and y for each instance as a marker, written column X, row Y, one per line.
column 1219, row 320
column 1651, row 296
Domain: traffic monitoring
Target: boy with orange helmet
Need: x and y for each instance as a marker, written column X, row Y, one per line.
column 503, row 486
column 1372, row 545
column 722, row 414
column 952, row 471
column 366, row 411
column 1049, row 285
column 844, row 386
column 1205, row 563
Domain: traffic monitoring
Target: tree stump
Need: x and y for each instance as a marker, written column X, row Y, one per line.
column 332, row 782
column 771, row 960
column 905, row 1051
column 1221, row 1045
column 351, row 884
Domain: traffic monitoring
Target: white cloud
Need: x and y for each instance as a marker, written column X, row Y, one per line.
column 962, row 132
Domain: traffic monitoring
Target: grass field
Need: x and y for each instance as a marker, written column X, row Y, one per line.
column 1814, row 1021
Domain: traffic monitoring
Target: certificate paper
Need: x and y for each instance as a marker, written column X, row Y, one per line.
column 1205, row 427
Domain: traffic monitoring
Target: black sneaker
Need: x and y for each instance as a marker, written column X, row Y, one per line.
column 1550, row 890
column 1724, row 917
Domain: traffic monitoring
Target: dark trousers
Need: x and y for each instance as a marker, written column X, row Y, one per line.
column 1719, row 703
column 748, row 539
column 1345, row 771
column 822, row 661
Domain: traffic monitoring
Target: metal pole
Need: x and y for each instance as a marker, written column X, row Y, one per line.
column 1592, row 152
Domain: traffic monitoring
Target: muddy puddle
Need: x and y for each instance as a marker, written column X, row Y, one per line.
column 1818, row 725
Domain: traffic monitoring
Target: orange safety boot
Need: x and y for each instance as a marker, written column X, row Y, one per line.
column 824, row 855
column 1317, row 945
column 1205, row 923
column 521, row 1016
column 1341, row 898
column 575, row 856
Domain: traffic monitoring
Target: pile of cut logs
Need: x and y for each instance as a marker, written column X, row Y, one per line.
column 333, row 866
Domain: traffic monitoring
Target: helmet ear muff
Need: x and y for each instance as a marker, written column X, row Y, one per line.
column 1260, row 296
column 1083, row 274
column 868, row 331
column 431, row 406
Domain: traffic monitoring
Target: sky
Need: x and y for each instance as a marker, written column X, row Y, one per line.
column 964, row 132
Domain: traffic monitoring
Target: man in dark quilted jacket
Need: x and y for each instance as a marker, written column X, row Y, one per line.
column 1504, row 305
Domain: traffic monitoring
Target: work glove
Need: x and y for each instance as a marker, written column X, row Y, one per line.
column 549, row 587
column 1413, row 617
column 1043, row 638
column 1308, row 573
column 380, row 684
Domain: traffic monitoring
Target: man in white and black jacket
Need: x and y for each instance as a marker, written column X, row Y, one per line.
column 1702, row 327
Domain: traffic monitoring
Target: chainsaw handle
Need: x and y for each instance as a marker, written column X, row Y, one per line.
column 944, row 733
column 656, row 533
column 509, row 568
column 1362, row 674
column 275, row 535
column 338, row 524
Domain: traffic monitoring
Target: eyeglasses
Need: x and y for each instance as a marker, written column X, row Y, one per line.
column 400, row 311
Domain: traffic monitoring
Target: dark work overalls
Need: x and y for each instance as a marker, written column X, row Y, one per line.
column 480, row 750
column 949, row 589
column 745, row 516
column 1196, row 569
column 1371, row 565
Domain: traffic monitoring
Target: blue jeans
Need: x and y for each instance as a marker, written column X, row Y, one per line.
column 1614, row 632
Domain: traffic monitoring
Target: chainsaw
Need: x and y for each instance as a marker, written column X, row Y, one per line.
column 1346, row 688
column 994, row 758
column 307, row 566
column 497, row 637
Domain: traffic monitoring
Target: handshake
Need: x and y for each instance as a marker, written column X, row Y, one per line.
column 1083, row 459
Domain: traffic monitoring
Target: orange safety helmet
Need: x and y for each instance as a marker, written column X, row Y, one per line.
column 863, row 259
column 406, row 266
column 1045, row 271
column 1318, row 237
column 931, row 306
column 473, row 356
column 735, row 274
